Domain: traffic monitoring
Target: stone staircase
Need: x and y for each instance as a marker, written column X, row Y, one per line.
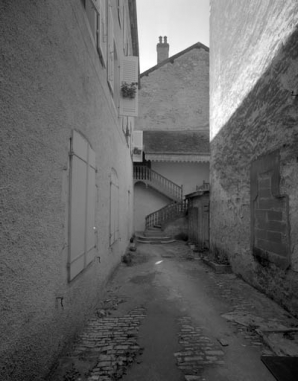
column 153, row 235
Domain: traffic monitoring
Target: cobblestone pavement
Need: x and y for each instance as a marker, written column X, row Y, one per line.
column 198, row 350
column 109, row 347
column 111, row 342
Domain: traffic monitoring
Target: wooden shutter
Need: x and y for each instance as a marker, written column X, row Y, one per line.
column 120, row 12
column 114, row 208
column 92, row 17
column 137, row 146
column 102, row 31
column 82, row 205
column 111, row 49
column 129, row 73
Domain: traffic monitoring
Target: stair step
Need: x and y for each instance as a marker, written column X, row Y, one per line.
column 154, row 233
column 143, row 239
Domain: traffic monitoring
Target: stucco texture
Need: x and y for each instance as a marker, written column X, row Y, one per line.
column 190, row 175
column 253, row 70
column 51, row 83
column 146, row 200
column 175, row 95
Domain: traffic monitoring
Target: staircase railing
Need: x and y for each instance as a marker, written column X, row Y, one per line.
column 167, row 213
column 155, row 179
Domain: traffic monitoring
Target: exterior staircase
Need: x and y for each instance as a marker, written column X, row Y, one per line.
column 166, row 214
column 154, row 235
column 158, row 182
column 156, row 220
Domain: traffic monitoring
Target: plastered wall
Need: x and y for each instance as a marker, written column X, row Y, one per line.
column 175, row 96
column 253, row 70
column 189, row 175
column 51, row 83
column 146, row 201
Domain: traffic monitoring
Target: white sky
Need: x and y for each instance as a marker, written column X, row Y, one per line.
column 184, row 22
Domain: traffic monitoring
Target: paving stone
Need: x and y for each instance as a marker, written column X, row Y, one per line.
column 198, row 350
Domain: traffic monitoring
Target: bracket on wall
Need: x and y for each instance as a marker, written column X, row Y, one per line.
column 60, row 298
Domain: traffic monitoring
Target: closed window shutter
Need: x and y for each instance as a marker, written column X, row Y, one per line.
column 129, row 73
column 102, row 31
column 92, row 17
column 137, row 146
column 125, row 42
column 111, row 49
column 82, row 239
column 114, row 208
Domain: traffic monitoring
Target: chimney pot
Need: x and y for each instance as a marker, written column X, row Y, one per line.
column 162, row 49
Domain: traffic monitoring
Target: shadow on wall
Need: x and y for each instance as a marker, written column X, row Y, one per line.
column 254, row 175
column 146, row 201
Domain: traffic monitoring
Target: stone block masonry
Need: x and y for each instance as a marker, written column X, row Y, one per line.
column 198, row 352
column 269, row 210
column 254, row 140
column 104, row 350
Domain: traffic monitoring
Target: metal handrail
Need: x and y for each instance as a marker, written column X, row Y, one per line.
column 146, row 174
column 166, row 213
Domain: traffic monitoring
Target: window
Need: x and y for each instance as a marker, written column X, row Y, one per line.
column 116, row 89
column 82, row 232
column 114, row 207
column 96, row 15
column 138, row 146
column 129, row 74
column 111, row 44
column 120, row 12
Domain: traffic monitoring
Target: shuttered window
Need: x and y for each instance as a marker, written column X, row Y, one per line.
column 101, row 38
column 97, row 17
column 120, row 12
column 82, row 237
column 137, row 146
column 111, row 49
column 114, row 207
column 129, row 74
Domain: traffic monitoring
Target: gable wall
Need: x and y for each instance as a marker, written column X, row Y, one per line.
column 175, row 96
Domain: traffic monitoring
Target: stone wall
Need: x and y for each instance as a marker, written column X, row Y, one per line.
column 52, row 82
column 254, row 121
column 175, row 95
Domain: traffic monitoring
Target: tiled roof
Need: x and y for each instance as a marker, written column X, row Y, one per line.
column 176, row 142
column 171, row 59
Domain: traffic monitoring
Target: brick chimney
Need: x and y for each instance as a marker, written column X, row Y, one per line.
column 162, row 49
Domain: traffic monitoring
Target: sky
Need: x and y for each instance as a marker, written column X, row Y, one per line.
column 184, row 22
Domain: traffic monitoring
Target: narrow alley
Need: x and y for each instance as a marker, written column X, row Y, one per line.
column 167, row 316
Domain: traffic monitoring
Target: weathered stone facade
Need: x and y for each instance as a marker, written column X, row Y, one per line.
column 254, row 136
column 52, row 84
column 174, row 94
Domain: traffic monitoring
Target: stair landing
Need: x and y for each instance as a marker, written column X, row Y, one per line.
column 154, row 236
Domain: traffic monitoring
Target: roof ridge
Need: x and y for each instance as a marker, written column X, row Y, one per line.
column 171, row 59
